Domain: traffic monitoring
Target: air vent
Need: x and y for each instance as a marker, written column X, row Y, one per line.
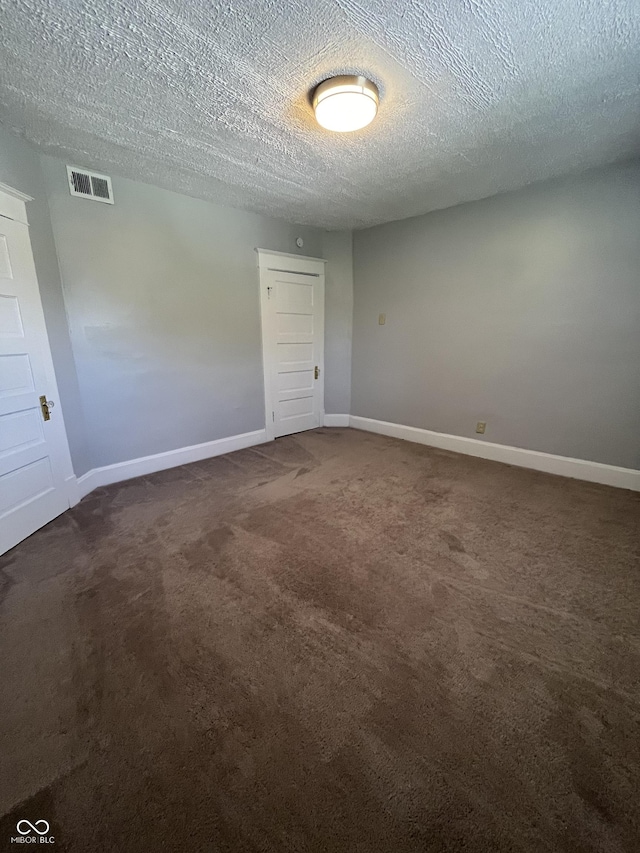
column 90, row 185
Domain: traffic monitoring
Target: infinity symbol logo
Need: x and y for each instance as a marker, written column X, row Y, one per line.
column 32, row 827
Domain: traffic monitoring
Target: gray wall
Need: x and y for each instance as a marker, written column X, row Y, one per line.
column 163, row 302
column 338, row 250
column 522, row 310
column 20, row 169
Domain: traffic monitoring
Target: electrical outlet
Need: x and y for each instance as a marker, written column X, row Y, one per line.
column 382, row 319
column 481, row 427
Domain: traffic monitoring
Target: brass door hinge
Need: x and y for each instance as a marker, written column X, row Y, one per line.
column 316, row 372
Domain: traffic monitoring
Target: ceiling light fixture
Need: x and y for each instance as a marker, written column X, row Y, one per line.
column 345, row 103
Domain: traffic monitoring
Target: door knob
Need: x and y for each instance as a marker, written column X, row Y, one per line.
column 45, row 405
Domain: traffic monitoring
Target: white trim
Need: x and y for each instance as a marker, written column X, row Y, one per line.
column 267, row 366
column 109, row 474
column 90, row 481
column 303, row 263
column 564, row 466
column 579, row 469
column 5, row 188
column 336, row 420
column 262, row 252
column 73, row 490
column 13, row 204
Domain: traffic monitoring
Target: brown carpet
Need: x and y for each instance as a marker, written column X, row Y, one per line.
column 335, row 642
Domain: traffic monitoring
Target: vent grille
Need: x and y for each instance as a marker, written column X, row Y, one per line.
column 90, row 185
column 81, row 183
column 100, row 187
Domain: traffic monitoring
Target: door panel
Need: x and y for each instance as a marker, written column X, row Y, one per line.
column 296, row 294
column 26, row 483
column 10, row 322
column 292, row 326
column 34, row 455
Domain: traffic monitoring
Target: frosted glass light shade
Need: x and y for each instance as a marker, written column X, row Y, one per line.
column 345, row 103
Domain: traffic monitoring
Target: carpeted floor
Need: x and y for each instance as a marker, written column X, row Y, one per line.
column 335, row 642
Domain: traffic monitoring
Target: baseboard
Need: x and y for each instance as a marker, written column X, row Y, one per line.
column 87, row 483
column 73, row 490
column 336, row 420
column 109, row 474
column 577, row 469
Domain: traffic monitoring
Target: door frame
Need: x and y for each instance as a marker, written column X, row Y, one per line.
column 13, row 207
column 284, row 262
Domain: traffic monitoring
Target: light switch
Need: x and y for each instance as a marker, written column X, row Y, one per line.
column 382, row 319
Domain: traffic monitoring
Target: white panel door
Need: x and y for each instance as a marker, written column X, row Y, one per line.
column 293, row 342
column 34, row 456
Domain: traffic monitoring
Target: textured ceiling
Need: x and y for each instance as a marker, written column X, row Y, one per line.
column 210, row 98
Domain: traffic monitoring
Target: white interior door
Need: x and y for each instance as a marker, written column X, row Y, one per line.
column 34, row 455
column 292, row 299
